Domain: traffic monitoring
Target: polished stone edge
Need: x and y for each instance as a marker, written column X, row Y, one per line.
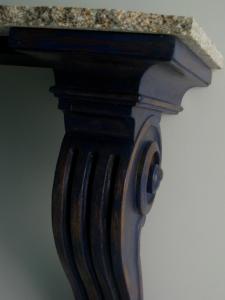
column 185, row 28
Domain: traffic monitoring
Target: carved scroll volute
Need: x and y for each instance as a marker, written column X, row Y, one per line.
column 142, row 180
column 103, row 189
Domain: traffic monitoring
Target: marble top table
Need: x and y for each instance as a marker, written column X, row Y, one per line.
column 185, row 28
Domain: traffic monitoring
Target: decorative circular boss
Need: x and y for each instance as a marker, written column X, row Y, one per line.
column 149, row 176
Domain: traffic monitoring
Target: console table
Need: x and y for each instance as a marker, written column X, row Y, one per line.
column 116, row 73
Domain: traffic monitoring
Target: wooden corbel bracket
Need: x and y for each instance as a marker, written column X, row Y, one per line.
column 112, row 88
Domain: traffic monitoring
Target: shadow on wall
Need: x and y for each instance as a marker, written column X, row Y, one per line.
column 31, row 130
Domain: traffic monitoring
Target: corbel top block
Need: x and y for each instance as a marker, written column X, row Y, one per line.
column 184, row 28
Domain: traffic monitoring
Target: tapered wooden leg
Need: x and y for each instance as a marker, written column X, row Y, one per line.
column 104, row 186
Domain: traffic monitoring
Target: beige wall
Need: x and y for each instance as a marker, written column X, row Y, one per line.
column 183, row 242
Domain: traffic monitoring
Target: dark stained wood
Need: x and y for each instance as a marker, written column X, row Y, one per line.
column 112, row 88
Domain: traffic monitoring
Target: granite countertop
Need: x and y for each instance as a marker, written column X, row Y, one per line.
column 185, row 28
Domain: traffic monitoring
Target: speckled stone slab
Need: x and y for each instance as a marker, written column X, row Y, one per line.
column 185, row 28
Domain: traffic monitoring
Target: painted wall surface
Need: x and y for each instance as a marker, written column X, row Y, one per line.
column 183, row 241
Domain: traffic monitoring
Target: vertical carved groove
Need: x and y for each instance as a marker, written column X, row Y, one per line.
column 101, row 225
column 60, row 217
column 79, row 222
column 117, row 228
